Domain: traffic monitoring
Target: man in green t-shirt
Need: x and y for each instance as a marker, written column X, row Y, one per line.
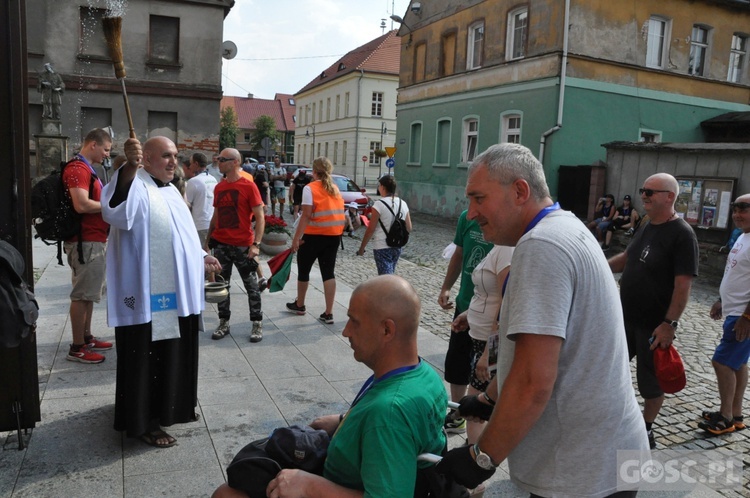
column 397, row 415
column 471, row 249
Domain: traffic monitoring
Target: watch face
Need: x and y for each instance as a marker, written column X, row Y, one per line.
column 484, row 461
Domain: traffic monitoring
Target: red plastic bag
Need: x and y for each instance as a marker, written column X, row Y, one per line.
column 670, row 372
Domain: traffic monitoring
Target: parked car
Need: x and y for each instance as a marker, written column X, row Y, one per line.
column 350, row 191
column 291, row 169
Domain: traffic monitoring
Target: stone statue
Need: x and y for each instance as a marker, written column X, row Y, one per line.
column 51, row 87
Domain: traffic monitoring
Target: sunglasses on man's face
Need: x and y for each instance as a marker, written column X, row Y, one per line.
column 649, row 191
column 224, row 159
column 740, row 206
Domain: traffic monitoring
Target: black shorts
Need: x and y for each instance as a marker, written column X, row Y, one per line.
column 322, row 248
column 458, row 357
column 639, row 347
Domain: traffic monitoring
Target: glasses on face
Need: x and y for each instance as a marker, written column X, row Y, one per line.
column 649, row 191
column 740, row 206
column 224, row 159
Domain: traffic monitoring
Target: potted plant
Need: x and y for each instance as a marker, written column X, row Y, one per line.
column 380, row 153
column 276, row 237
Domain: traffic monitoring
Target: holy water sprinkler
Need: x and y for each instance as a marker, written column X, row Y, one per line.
column 112, row 30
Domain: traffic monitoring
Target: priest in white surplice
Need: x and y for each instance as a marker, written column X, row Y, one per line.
column 155, row 268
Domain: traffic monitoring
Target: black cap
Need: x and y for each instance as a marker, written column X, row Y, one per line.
column 626, row 198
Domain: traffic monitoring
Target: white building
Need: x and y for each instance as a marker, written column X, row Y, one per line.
column 349, row 111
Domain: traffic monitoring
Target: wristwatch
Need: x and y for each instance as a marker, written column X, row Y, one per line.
column 256, row 244
column 483, row 459
column 673, row 323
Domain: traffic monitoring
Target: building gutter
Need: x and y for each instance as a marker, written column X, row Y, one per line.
column 356, row 127
column 561, row 96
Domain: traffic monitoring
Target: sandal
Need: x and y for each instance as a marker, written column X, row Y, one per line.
column 739, row 422
column 152, row 439
column 718, row 425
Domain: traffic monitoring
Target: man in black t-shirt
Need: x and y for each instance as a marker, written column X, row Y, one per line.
column 657, row 272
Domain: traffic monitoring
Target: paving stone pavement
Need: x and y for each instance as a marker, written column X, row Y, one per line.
column 676, row 428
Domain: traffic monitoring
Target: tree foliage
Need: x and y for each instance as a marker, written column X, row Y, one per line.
column 228, row 128
column 265, row 126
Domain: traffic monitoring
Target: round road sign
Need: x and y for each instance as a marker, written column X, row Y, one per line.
column 364, row 159
column 390, row 163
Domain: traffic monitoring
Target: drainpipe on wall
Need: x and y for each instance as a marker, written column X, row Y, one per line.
column 561, row 97
column 356, row 130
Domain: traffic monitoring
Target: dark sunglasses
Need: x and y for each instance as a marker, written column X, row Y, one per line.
column 740, row 206
column 649, row 191
column 224, row 159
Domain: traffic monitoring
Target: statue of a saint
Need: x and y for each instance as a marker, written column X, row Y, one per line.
column 51, row 87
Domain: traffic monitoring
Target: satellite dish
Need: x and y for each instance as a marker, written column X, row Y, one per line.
column 228, row 49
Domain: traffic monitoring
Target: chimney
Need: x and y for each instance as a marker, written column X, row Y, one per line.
column 249, row 95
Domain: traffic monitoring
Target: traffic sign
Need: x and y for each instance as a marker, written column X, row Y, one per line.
column 390, row 151
column 390, row 163
column 364, row 159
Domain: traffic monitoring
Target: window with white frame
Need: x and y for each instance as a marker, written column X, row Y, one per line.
column 474, row 46
column 737, row 58
column 373, row 158
column 320, row 112
column 338, row 106
column 328, row 109
column 343, row 152
column 313, row 113
column 377, row 103
column 335, row 153
column 511, row 129
column 415, row 143
column 518, row 31
column 649, row 136
column 470, row 138
column 443, row 142
column 657, row 42
column 698, row 50
column 346, row 105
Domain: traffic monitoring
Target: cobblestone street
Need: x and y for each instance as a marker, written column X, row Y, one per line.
column 422, row 264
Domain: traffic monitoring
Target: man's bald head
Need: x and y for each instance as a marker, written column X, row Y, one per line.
column 665, row 181
column 160, row 158
column 392, row 297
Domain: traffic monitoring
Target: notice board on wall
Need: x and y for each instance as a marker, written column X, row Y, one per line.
column 705, row 202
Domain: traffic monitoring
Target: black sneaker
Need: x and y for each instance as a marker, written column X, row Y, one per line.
column 651, row 439
column 326, row 318
column 299, row 310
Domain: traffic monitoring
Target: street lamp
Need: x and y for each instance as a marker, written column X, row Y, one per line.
column 307, row 134
column 383, row 131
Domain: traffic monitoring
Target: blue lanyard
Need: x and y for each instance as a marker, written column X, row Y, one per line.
column 541, row 214
column 372, row 381
column 84, row 161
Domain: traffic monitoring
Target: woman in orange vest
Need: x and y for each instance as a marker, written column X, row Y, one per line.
column 318, row 236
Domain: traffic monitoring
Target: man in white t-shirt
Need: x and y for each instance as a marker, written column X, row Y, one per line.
column 213, row 168
column 566, row 404
column 199, row 194
column 731, row 355
column 277, row 175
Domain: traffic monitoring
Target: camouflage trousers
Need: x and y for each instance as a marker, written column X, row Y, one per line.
column 230, row 256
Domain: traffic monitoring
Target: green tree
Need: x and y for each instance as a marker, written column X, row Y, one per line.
column 228, row 128
column 265, row 126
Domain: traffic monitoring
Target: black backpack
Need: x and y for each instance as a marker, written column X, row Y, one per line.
column 397, row 235
column 54, row 218
column 18, row 307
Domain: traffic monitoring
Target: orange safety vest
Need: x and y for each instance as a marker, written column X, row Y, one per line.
column 328, row 217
